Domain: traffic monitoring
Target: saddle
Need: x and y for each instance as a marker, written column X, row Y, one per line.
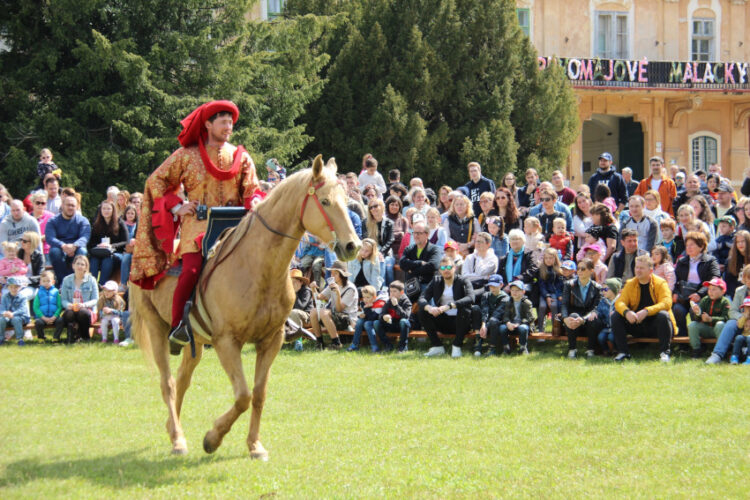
column 219, row 220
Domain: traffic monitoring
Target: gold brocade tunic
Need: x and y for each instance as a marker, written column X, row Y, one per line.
column 185, row 167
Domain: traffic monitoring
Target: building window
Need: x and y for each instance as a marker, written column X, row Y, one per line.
column 524, row 20
column 274, row 8
column 703, row 40
column 705, row 152
column 612, row 35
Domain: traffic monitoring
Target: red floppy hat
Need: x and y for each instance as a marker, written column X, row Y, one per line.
column 193, row 125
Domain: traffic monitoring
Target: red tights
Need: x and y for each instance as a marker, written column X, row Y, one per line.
column 191, row 270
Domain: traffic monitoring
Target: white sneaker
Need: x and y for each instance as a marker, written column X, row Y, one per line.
column 435, row 351
column 27, row 335
column 713, row 359
column 477, row 353
column 455, row 352
column 664, row 357
column 572, row 354
column 590, row 353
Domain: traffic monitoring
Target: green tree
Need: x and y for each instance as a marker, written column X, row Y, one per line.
column 429, row 85
column 104, row 84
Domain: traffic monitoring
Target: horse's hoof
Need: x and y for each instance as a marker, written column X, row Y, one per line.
column 211, row 442
column 258, row 452
column 180, row 447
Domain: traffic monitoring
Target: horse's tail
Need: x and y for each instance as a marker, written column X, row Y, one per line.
column 140, row 307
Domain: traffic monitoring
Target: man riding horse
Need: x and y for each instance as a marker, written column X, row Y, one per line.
column 213, row 173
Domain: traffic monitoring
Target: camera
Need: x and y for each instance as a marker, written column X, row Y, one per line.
column 201, row 212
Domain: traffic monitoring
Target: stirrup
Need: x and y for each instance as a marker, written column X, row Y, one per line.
column 180, row 335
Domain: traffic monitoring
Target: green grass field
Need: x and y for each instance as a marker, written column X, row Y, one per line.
column 88, row 422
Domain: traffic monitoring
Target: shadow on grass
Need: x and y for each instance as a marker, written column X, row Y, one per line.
column 121, row 470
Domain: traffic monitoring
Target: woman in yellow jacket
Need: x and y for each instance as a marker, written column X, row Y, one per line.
column 644, row 307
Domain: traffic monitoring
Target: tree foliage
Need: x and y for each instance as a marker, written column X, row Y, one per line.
column 429, row 85
column 104, row 84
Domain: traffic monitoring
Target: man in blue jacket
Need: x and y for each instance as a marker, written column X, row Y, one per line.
column 477, row 185
column 67, row 234
column 614, row 181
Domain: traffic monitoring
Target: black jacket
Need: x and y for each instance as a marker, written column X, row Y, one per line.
column 527, row 317
column 617, row 261
column 37, row 265
column 708, row 268
column 402, row 309
column 422, row 267
column 529, row 269
column 386, row 236
column 732, row 212
column 117, row 241
column 463, row 293
column 493, row 306
column 574, row 302
column 304, row 299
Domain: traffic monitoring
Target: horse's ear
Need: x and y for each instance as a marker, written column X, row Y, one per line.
column 332, row 164
column 317, row 166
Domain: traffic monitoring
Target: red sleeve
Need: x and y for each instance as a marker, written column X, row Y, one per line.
column 163, row 222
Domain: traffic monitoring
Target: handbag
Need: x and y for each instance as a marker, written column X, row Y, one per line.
column 685, row 290
column 413, row 289
column 101, row 252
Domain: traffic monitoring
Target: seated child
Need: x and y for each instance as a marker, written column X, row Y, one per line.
column 517, row 318
column 594, row 252
column 743, row 339
column 110, row 308
column 709, row 315
column 550, row 286
column 394, row 317
column 11, row 265
column 492, row 310
column 669, row 240
column 663, row 266
column 532, row 228
column 593, row 237
column 568, row 270
column 451, row 250
column 724, row 240
column 47, row 306
column 561, row 239
column 499, row 243
column 14, row 310
column 366, row 318
column 610, row 292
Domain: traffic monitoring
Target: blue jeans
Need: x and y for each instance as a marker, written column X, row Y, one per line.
column 126, row 259
column 605, row 336
column 103, row 267
column 403, row 327
column 389, row 263
column 16, row 322
column 370, row 329
column 725, row 339
column 61, row 263
column 739, row 342
column 126, row 323
column 522, row 331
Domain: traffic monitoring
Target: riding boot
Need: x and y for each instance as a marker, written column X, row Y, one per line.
column 293, row 331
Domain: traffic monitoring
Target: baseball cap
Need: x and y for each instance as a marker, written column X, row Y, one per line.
column 518, row 284
column 728, row 219
column 745, row 302
column 495, row 280
column 606, row 156
column 450, row 244
column 594, row 247
column 110, row 285
column 725, row 188
column 569, row 265
column 716, row 282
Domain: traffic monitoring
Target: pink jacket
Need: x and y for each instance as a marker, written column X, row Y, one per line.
column 12, row 267
column 666, row 271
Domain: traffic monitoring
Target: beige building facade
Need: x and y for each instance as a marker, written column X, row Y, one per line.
column 652, row 77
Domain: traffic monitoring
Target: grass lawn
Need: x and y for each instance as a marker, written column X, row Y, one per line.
column 88, row 422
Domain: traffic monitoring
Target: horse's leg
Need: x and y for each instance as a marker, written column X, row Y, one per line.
column 228, row 350
column 160, row 349
column 185, row 373
column 266, row 352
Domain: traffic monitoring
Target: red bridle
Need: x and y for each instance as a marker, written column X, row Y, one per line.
column 312, row 193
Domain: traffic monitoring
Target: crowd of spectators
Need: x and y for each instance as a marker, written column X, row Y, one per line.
column 659, row 257
column 663, row 256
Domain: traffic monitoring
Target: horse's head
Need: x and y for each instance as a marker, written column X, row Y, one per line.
column 327, row 217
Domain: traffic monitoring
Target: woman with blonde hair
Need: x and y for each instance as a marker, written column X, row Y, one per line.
column 460, row 225
column 79, row 293
column 435, row 227
column 365, row 268
column 443, row 199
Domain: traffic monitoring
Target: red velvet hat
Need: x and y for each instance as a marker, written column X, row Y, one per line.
column 193, row 125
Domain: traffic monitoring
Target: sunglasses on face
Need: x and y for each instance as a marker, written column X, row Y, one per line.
column 40, row 203
column 546, row 199
column 446, row 268
column 605, row 289
column 24, row 241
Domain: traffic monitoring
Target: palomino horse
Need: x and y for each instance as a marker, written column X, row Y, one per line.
column 245, row 295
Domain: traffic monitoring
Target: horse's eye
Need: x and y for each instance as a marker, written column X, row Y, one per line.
column 325, row 202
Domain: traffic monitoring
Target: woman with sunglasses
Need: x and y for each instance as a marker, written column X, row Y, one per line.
column 506, row 209
column 30, row 254
column 42, row 216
